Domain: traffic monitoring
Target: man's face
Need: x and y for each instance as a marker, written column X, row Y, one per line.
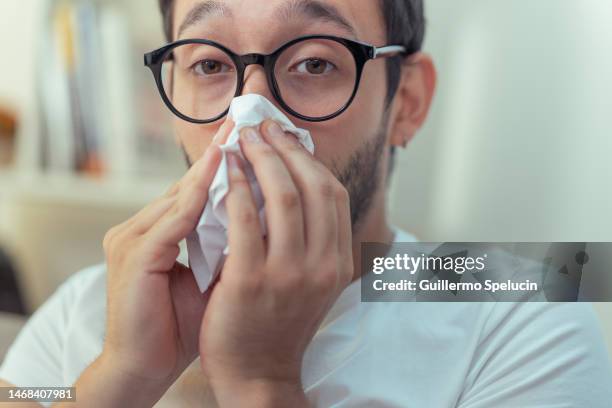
column 350, row 144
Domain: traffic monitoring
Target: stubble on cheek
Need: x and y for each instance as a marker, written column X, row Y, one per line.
column 361, row 175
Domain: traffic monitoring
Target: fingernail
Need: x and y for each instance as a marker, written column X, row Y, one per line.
column 250, row 135
column 275, row 130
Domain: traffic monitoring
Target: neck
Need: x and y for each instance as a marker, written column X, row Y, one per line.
column 372, row 228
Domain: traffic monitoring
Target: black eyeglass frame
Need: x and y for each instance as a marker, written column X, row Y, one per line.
column 362, row 53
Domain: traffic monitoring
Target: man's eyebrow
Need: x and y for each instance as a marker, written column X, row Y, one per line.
column 201, row 11
column 315, row 10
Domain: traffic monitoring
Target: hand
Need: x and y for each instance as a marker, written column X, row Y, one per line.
column 273, row 294
column 154, row 307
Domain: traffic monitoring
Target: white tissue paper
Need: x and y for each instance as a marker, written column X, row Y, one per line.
column 207, row 244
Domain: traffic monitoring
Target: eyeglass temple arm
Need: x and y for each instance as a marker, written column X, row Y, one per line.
column 388, row 51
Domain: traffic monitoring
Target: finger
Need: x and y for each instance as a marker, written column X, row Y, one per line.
column 244, row 231
column 224, row 131
column 316, row 184
column 190, row 181
column 283, row 203
column 345, row 236
column 195, row 172
column 183, row 217
column 145, row 218
column 345, row 227
column 220, row 138
column 148, row 216
column 172, row 191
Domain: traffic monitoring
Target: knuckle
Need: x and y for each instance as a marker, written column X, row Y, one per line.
column 238, row 179
column 266, row 152
column 179, row 204
column 247, row 216
column 106, row 242
column 158, row 258
column 289, row 199
column 326, row 189
column 325, row 281
column 291, row 144
column 172, row 191
column 109, row 239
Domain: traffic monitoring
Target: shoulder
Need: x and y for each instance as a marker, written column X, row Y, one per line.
column 80, row 295
column 537, row 353
column 59, row 333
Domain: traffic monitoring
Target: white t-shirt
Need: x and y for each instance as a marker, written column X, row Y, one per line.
column 375, row 354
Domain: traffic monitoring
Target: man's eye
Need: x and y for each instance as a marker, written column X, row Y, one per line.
column 315, row 66
column 210, row 67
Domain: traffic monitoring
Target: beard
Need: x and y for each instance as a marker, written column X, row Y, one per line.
column 361, row 176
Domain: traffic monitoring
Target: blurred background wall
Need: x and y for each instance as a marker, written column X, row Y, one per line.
column 517, row 147
column 93, row 144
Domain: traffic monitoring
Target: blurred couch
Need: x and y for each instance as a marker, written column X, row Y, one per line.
column 10, row 324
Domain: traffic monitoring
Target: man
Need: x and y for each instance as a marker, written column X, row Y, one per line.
column 284, row 325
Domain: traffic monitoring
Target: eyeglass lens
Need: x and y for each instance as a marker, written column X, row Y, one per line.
column 315, row 78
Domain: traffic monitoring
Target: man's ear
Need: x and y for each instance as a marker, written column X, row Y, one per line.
column 413, row 98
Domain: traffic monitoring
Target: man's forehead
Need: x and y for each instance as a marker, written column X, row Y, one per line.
column 360, row 19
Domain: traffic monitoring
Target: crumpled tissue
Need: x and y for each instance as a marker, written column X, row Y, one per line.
column 207, row 245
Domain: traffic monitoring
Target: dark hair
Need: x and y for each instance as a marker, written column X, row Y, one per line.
column 405, row 23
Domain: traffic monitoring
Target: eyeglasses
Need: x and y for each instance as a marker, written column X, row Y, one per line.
column 314, row 78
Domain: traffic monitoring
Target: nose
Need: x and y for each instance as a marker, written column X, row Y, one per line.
column 255, row 82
